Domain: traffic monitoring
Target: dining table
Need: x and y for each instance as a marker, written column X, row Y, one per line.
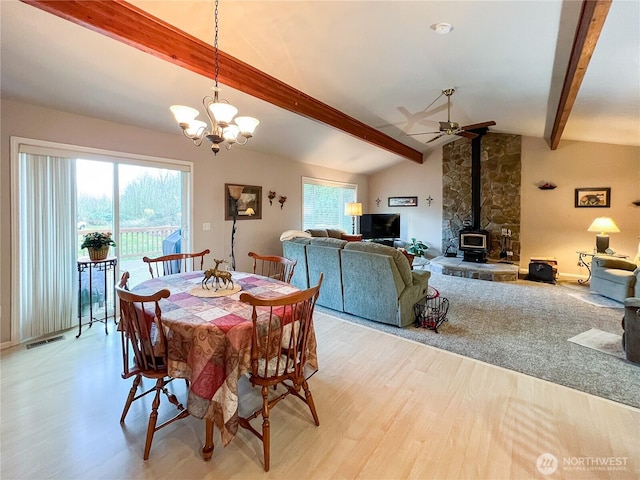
column 209, row 332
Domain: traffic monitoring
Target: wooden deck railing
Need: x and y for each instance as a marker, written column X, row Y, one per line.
column 134, row 242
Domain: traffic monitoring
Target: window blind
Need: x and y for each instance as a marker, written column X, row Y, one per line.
column 323, row 203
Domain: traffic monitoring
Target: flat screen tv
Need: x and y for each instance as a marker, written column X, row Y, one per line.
column 380, row 225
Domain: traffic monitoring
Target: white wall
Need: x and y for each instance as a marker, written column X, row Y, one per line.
column 239, row 166
column 408, row 179
column 550, row 225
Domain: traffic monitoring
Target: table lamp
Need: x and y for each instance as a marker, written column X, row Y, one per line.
column 353, row 209
column 603, row 225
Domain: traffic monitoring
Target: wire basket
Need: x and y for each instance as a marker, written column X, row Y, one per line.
column 431, row 312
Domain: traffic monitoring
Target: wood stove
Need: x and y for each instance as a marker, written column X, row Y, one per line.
column 474, row 244
column 473, row 241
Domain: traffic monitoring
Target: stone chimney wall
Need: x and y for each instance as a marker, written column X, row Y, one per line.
column 500, row 190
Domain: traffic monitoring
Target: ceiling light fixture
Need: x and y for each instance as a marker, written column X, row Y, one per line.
column 224, row 128
column 442, row 28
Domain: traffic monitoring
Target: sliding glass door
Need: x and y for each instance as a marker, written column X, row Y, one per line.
column 63, row 194
column 151, row 208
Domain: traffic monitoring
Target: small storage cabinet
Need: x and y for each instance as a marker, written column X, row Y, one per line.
column 543, row 269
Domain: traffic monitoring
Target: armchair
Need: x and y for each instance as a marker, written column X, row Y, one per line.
column 616, row 278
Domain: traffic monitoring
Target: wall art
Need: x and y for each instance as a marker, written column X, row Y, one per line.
column 251, row 198
column 593, row 197
column 403, row 201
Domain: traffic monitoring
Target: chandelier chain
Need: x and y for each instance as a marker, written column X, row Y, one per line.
column 215, row 44
column 225, row 127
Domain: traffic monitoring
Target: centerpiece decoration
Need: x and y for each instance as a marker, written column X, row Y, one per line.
column 97, row 244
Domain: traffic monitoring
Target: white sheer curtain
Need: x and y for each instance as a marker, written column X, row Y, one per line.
column 47, row 296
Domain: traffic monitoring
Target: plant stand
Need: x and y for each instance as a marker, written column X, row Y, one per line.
column 100, row 266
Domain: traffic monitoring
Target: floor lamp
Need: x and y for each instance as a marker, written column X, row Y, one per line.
column 235, row 191
column 353, row 209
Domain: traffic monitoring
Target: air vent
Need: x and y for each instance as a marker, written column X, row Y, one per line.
column 44, row 342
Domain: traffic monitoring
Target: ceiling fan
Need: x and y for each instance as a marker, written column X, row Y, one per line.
column 453, row 128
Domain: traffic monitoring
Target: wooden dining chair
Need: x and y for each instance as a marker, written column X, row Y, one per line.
column 280, row 336
column 273, row 266
column 175, row 263
column 144, row 353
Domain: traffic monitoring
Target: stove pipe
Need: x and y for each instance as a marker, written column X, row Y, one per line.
column 476, row 181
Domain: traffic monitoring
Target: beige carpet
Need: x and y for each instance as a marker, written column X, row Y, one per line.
column 605, row 342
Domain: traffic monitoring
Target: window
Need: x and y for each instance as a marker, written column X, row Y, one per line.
column 323, row 203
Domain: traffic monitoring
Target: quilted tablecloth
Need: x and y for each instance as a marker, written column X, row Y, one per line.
column 209, row 341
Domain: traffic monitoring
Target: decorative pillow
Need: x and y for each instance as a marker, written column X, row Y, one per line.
column 335, row 232
column 317, row 232
column 289, row 234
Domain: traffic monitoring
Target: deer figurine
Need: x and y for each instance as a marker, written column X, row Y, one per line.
column 218, row 275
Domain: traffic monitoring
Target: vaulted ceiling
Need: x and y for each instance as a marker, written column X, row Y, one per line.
column 380, row 63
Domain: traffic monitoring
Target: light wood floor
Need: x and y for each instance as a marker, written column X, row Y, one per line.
column 389, row 409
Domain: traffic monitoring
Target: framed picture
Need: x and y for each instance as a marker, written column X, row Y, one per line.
column 403, row 201
column 251, row 198
column 593, row 197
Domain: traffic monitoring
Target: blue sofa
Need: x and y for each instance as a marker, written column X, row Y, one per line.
column 323, row 256
column 365, row 279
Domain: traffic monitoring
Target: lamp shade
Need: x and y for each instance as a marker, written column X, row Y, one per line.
column 230, row 133
column 247, row 125
column 603, row 225
column 235, row 191
column 183, row 114
column 196, row 127
column 353, row 209
column 222, row 112
column 249, row 211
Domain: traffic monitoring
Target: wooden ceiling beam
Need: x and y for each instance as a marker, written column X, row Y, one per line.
column 592, row 18
column 126, row 23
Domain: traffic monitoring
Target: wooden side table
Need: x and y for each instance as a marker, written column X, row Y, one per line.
column 96, row 267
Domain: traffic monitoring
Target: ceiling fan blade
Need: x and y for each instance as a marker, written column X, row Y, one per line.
column 469, row 135
column 435, row 138
column 479, row 125
column 423, row 133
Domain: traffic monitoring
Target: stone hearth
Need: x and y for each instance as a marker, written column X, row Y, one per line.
column 500, row 173
column 457, row 267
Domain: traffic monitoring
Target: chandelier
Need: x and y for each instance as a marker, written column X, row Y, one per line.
column 224, row 128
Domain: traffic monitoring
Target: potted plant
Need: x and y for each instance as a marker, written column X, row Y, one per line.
column 97, row 244
column 416, row 247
